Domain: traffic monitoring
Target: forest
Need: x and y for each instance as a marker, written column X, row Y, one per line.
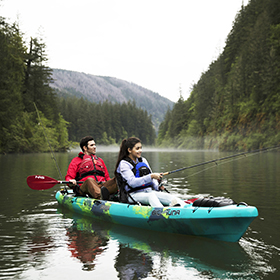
column 32, row 116
column 235, row 105
column 109, row 123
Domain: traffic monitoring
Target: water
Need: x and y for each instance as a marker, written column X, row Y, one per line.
column 40, row 240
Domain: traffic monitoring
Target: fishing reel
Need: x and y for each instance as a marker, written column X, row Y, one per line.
column 164, row 184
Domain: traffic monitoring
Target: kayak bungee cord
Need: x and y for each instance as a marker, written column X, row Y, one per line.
column 53, row 156
column 246, row 154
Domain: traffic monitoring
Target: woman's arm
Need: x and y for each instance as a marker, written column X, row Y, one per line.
column 155, row 176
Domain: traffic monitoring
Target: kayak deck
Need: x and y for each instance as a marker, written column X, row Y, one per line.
column 227, row 223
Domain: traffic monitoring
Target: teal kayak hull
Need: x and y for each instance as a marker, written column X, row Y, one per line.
column 227, row 223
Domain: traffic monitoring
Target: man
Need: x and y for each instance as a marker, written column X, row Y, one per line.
column 90, row 169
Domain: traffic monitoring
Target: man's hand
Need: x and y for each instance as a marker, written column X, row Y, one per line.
column 73, row 181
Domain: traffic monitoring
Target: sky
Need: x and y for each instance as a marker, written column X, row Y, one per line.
column 161, row 45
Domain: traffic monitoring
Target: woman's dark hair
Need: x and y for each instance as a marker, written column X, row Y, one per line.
column 126, row 144
column 84, row 141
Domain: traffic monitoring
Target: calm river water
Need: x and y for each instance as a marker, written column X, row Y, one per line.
column 40, row 240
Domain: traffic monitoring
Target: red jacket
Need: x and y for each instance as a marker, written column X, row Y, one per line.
column 73, row 169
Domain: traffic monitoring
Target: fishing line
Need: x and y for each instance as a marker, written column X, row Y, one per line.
column 53, row 156
column 216, row 164
column 226, row 160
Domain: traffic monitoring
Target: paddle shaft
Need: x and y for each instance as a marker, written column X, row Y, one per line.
column 65, row 182
column 219, row 159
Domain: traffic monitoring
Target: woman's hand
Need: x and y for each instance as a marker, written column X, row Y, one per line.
column 156, row 176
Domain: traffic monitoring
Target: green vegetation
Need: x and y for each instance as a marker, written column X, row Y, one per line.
column 108, row 123
column 24, row 81
column 25, row 86
column 235, row 105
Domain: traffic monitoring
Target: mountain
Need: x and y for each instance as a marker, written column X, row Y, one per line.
column 99, row 89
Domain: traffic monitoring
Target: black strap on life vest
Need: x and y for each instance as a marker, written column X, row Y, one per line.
column 133, row 163
column 93, row 172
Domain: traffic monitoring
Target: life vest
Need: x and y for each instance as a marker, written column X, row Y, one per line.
column 90, row 166
column 139, row 169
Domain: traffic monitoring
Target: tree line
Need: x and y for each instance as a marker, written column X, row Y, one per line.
column 108, row 123
column 31, row 112
column 235, row 104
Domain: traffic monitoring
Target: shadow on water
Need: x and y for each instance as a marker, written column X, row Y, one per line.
column 142, row 253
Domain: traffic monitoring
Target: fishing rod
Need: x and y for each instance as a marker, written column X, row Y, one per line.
column 220, row 159
column 53, row 156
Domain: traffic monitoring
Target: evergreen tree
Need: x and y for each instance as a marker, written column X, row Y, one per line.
column 235, row 104
column 108, row 123
column 12, row 53
column 37, row 81
column 24, row 82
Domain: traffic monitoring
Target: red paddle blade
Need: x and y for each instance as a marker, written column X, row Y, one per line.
column 41, row 182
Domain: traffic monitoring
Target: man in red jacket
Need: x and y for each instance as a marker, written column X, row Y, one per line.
column 90, row 169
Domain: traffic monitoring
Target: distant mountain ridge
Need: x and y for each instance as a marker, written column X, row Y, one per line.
column 99, row 89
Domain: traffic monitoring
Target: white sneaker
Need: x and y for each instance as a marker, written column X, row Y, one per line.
column 174, row 203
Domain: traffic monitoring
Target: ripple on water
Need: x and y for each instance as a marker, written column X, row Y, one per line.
column 26, row 238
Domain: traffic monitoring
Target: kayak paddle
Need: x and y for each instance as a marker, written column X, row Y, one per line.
column 42, row 182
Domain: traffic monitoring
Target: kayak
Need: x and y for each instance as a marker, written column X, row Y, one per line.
column 226, row 223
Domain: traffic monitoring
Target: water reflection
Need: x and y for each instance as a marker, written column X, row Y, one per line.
column 85, row 244
column 142, row 253
column 25, row 240
column 87, row 240
column 132, row 263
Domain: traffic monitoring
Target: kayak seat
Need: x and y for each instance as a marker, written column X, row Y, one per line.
column 122, row 193
column 105, row 194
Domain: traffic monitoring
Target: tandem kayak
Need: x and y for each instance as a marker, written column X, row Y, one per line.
column 226, row 223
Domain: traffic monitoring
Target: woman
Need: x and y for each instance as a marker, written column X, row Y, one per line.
column 139, row 182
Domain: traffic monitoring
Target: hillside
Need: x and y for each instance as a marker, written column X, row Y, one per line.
column 235, row 105
column 99, row 89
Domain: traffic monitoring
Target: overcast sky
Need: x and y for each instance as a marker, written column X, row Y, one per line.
column 160, row 45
